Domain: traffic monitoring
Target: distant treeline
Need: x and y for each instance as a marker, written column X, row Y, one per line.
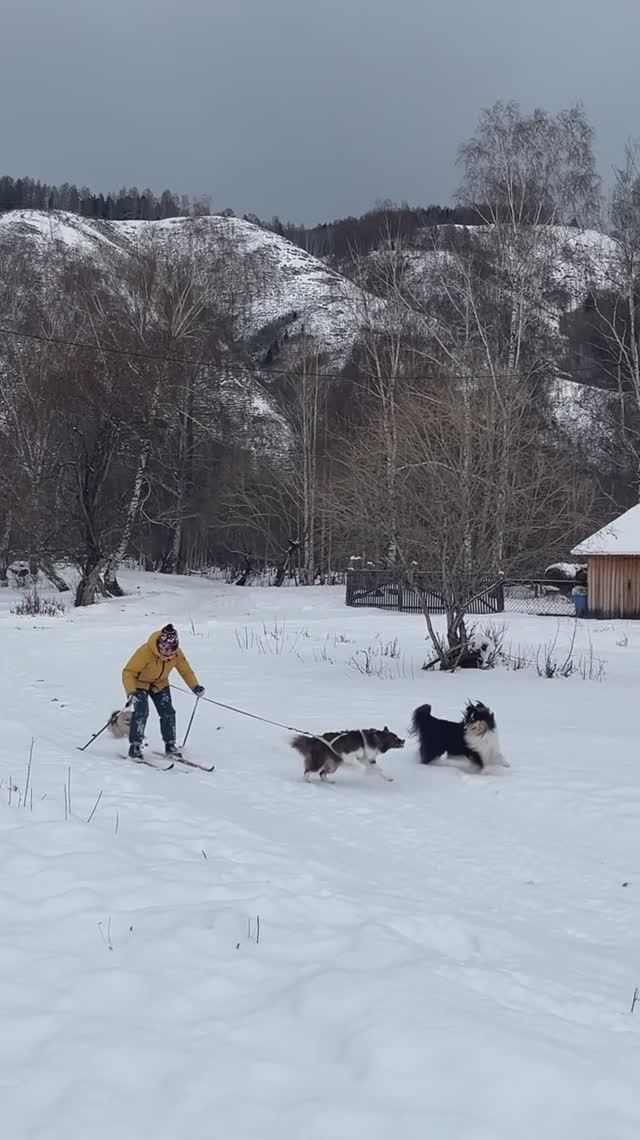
column 125, row 205
column 329, row 239
column 338, row 239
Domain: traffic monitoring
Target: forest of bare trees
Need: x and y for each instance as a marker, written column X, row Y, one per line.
column 136, row 423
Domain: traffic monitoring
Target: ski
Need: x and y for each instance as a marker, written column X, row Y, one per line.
column 189, row 763
column 149, row 763
column 194, row 764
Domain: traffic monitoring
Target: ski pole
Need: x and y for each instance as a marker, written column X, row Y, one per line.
column 95, row 736
column 195, row 707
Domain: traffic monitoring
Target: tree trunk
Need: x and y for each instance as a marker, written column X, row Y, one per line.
column 4, row 550
column 281, row 572
column 501, row 494
column 245, row 574
column 176, row 543
column 170, row 560
column 391, row 464
column 89, row 583
column 183, row 563
column 309, row 468
column 635, row 358
column 467, row 475
column 49, row 570
column 113, row 565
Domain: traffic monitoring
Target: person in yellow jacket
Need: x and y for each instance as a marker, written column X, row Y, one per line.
column 146, row 675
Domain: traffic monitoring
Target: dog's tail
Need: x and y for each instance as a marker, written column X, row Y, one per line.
column 420, row 716
column 301, row 744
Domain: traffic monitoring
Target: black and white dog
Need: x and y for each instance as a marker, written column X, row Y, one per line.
column 356, row 748
column 474, row 737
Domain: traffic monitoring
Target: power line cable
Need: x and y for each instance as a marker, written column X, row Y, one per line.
column 186, row 362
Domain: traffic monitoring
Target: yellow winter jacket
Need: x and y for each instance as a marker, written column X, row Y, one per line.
column 148, row 670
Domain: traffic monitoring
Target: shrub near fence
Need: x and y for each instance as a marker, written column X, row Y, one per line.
column 389, row 590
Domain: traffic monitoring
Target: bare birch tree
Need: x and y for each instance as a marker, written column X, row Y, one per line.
column 386, row 352
column 613, row 320
column 545, row 505
column 29, row 431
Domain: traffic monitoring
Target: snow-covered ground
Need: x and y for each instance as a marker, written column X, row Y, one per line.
column 445, row 956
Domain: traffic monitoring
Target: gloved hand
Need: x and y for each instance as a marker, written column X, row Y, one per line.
column 199, row 690
column 131, row 699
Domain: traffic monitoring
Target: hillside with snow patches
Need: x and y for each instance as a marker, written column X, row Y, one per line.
column 325, row 302
column 446, row 955
column 297, row 296
column 294, row 287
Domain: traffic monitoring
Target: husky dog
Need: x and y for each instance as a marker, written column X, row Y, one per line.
column 358, row 748
column 474, row 737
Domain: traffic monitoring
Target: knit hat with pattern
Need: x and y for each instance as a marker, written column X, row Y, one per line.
column 167, row 641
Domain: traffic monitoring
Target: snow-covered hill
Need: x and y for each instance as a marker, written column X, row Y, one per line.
column 293, row 289
column 446, row 955
column 292, row 302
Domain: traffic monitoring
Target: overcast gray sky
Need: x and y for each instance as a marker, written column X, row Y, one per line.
column 311, row 109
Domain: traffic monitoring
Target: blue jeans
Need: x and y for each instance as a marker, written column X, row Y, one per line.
column 165, row 710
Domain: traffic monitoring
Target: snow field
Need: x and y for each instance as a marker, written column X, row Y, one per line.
column 447, row 955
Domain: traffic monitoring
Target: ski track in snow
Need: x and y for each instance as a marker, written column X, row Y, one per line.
column 446, row 955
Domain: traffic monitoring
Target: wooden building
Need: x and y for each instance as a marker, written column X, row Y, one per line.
column 613, row 567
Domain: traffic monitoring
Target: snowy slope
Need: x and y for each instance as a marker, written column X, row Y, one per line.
column 320, row 309
column 447, row 955
column 327, row 306
column 291, row 281
column 588, row 259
